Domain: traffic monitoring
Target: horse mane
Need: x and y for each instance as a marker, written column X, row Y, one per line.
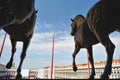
column 79, row 16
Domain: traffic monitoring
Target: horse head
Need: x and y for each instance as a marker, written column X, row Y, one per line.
column 76, row 22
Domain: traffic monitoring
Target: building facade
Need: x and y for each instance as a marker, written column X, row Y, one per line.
column 62, row 72
column 3, row 72
column 66, row 72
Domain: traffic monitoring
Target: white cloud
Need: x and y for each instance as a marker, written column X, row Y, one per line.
column 44, row 27
column 42, row 42
column 116, row 40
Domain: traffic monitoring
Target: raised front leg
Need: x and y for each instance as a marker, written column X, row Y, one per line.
column 9, row 64
column 23, row 55
column 89, row 49
column 77, row 48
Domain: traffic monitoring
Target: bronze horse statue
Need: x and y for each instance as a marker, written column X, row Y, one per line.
column 101, row 20
column 15, row 11
column 19, row 25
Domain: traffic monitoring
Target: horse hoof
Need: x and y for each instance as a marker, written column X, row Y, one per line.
column 18, row 77
column 104, row 76
column 75, row 68
column 9, row 65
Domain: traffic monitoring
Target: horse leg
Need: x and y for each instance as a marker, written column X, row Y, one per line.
column 9, row 64
column 109, row 46
column 23, row 55
column 77, row 48
column 89, row 49
column 110, row 50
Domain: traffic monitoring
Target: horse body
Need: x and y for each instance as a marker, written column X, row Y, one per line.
column 102, row 19
column 82, row 38
column 107, row 13
column 22, row 32
column 15, row 11
column 17, row 18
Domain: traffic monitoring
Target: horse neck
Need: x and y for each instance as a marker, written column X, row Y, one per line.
column 77, row 29
column 81, row 26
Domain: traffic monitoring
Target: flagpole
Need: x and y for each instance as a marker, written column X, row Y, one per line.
column 88, row 64
column 3, row 44
column 52, row 61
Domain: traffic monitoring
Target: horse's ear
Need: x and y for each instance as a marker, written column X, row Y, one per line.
column 36, row 11
column 72, row 20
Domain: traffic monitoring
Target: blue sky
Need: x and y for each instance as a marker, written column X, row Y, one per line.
column 54, row 16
